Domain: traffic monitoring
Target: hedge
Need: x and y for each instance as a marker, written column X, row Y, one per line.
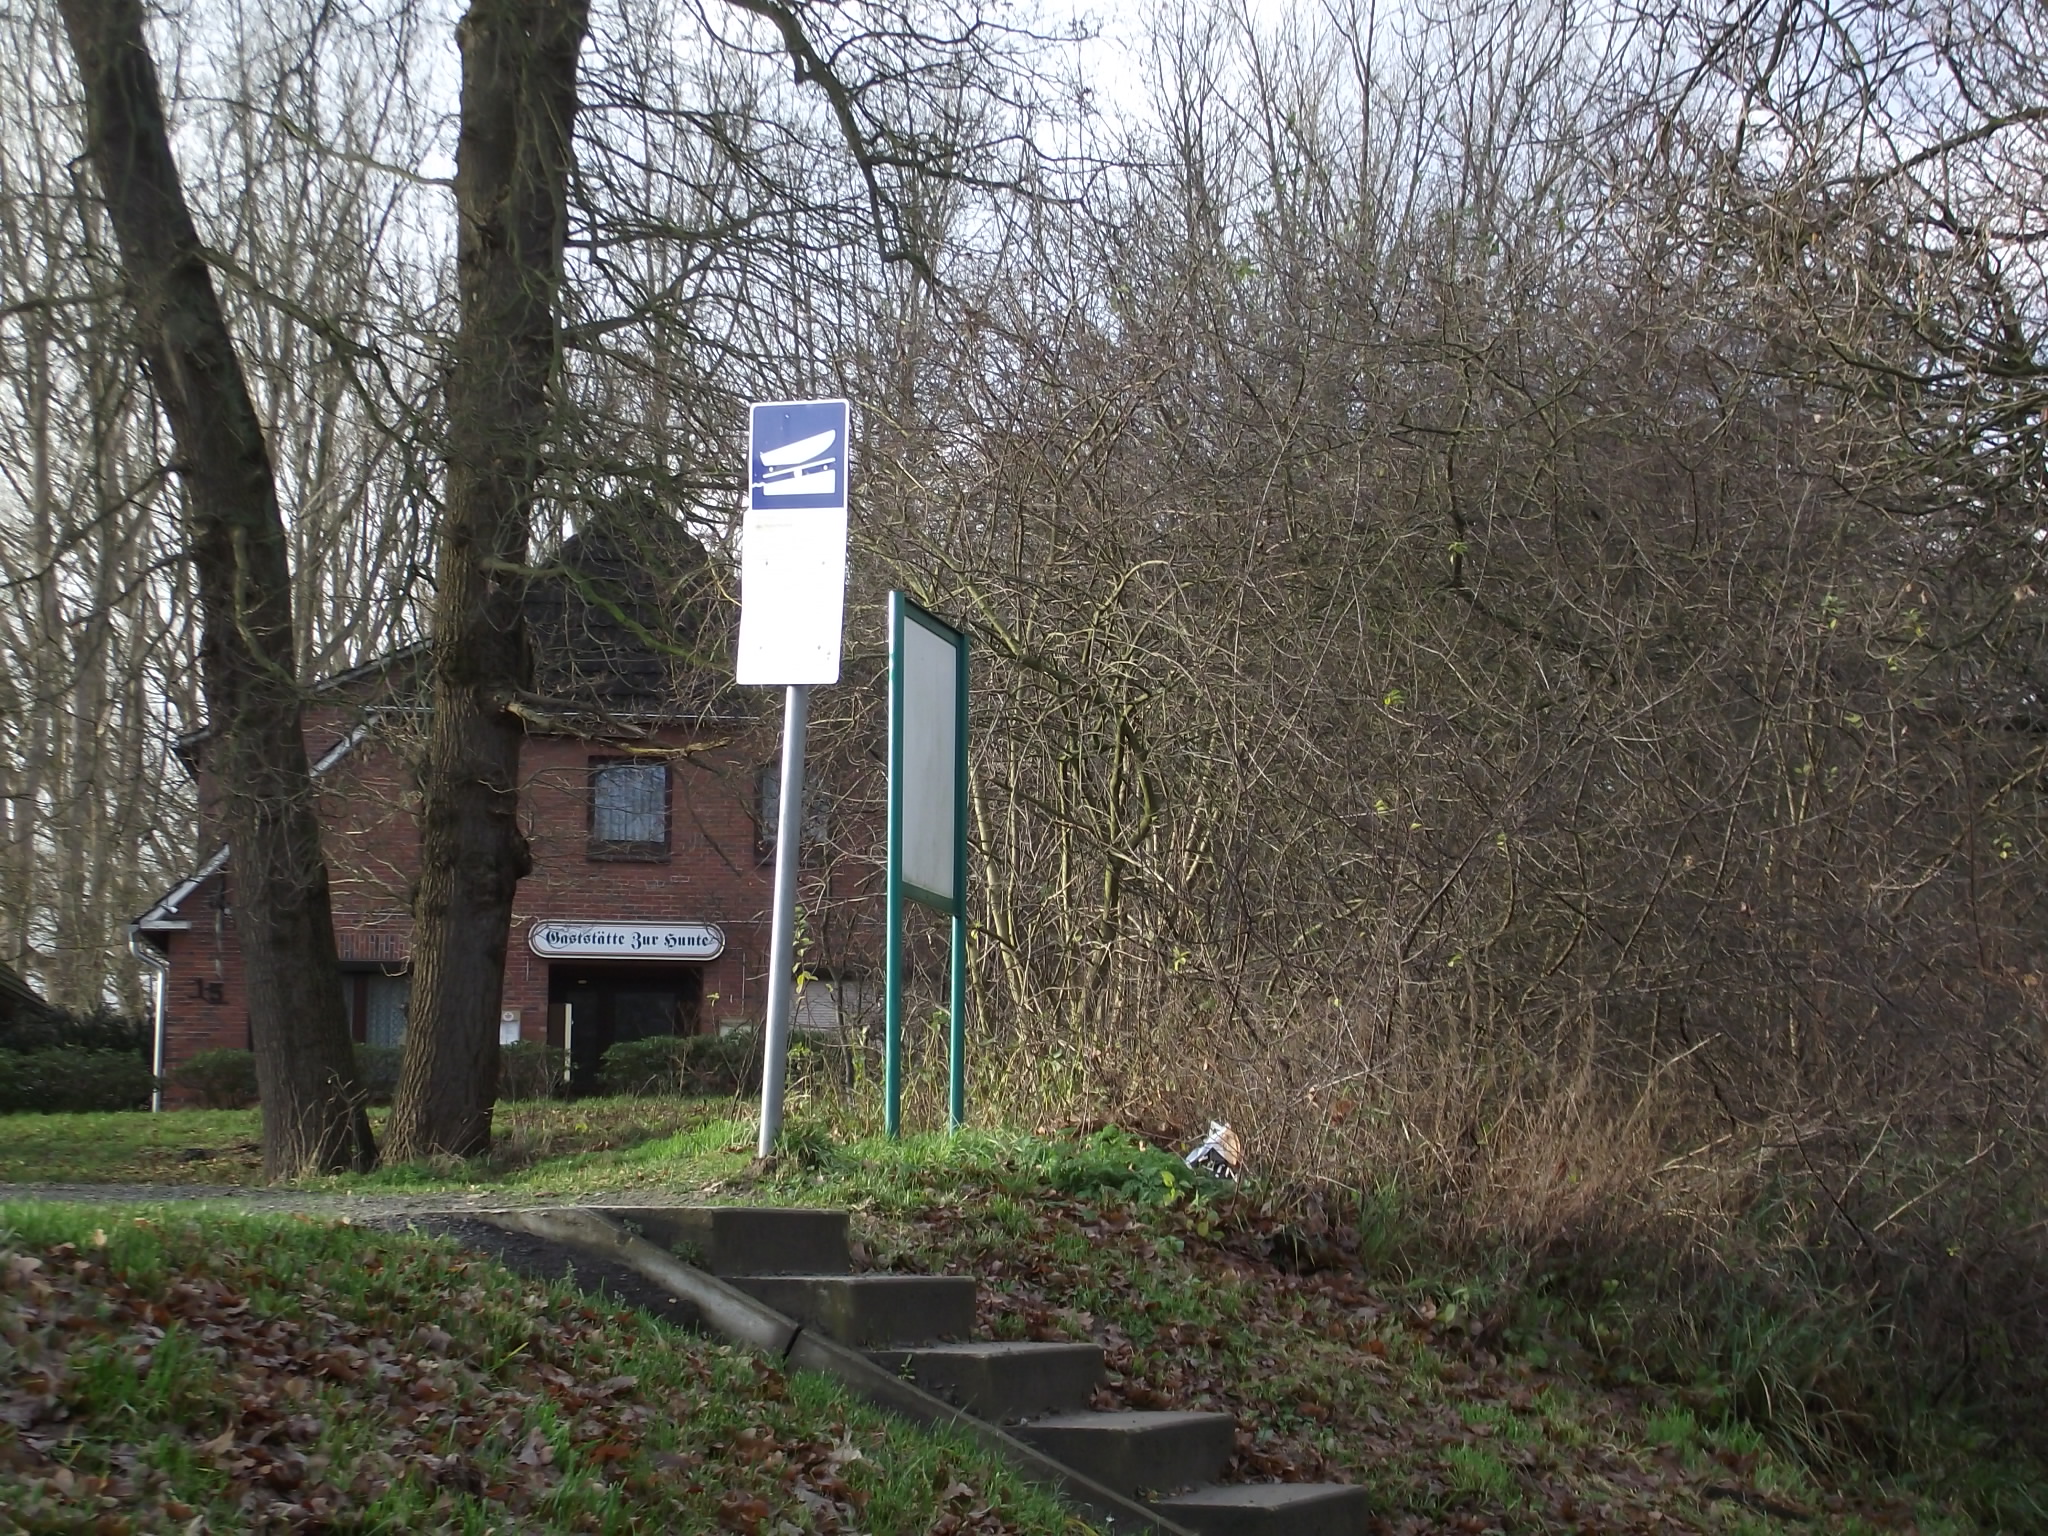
column 96, row 1029
column 530, row 1070
column 665, row 1064
column 377, row 1071
column 222, row 1079
column 66, row 1079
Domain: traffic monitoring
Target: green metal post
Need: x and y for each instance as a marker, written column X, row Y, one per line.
column 956, row 1098
column 892, row 993
column 956, row 1045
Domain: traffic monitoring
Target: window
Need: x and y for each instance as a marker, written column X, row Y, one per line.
column 629, row 809
column 768, row 795
column 833, row 1007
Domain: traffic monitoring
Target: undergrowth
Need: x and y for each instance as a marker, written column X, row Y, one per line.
column 1860, row 1310
column 164, row 1373
column 1798, row 1389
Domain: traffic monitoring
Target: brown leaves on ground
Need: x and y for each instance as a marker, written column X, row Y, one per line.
column 965, row 1514
column 251, row 1395
column 432, row 1387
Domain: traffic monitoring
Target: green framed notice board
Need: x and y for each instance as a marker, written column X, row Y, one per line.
column 927, row 826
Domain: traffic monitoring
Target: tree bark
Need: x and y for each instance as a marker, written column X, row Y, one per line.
column 511, row 176
column 313, row 1116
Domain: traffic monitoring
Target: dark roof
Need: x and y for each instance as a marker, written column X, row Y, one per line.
column 628, row 625
column 628, row 620
column 18, row 999
column 629, row 628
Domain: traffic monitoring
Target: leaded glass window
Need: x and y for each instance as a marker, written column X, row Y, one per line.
column 629, row 808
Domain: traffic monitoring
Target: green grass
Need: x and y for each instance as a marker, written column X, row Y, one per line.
column 203, row 1146
column 1455, row 1386
column 1480, row 1474
column 1431, row 1390
column 131, row 1148
column 160, row 1369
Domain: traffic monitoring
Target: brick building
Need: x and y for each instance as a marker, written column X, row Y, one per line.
column 641, row 793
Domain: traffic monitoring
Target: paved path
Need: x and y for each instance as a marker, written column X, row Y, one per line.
column 376, row 1206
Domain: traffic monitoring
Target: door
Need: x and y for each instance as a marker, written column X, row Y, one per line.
column 593, row 1007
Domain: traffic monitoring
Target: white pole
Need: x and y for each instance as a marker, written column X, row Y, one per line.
column 159, row 985
column 789, row 821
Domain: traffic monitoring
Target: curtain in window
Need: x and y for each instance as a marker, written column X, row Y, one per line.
column 384, row 1009
column 631, row 804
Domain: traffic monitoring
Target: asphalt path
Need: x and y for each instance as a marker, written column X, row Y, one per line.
column 355, row 1207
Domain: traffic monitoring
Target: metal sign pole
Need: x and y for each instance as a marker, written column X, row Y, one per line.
column 789, row 820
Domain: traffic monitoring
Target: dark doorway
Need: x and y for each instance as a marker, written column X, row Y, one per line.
column 593, row 1007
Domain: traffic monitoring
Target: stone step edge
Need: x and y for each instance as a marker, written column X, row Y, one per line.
column 743, row 1320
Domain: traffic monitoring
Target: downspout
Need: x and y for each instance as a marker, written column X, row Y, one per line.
column 159, row 963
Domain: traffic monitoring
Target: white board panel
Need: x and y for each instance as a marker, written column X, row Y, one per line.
column 792, row 596
column 931, row 703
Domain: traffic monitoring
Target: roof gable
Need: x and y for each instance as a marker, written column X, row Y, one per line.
column 629, row 620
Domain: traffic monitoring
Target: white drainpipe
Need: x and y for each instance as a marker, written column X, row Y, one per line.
column 160, row 983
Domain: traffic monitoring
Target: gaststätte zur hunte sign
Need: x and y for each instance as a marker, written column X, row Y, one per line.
column 564, row 939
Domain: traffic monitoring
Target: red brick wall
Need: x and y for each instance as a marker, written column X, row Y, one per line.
column 206, row 1005
column 713, row 873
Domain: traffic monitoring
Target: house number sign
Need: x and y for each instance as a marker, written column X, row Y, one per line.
column 555, row 939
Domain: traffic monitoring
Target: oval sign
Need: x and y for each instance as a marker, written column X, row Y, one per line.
column 560, row 939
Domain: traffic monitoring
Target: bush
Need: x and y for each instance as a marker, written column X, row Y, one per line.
column 222, row 1079
column 728, row 1062
column 531, row 1070
column 377, row 1072
column 97, row 1029
column 678, row 1064
column 65, row 1078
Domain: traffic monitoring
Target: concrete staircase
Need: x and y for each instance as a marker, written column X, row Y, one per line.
column 919, row 1328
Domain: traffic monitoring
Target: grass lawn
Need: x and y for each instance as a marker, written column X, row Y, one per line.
column 218, row 1146
column 189, row 1146
column 161, row 1372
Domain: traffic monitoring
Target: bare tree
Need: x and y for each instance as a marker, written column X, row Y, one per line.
column 512, row 169
column 312, row 1114
column 316, row 244
column 1444, row 645
column 90, row 805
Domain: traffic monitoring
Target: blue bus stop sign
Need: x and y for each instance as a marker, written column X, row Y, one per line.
column 796, row 456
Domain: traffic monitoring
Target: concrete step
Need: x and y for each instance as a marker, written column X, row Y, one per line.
column 1271, row 1509
column 1001, row 1382
column 744, row 1240
column 871, row 1311
column 1144, row 1454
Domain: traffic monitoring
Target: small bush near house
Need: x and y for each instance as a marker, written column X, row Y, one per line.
column 66, row 1079
column 731, row 1061
column 377, row 1071
column 531, row 1070
column 723, row 1063
column 97, row 1029
column 222, row 1079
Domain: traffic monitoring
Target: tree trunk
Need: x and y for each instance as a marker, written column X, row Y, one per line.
column 511, row 174
column 313, row 1118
